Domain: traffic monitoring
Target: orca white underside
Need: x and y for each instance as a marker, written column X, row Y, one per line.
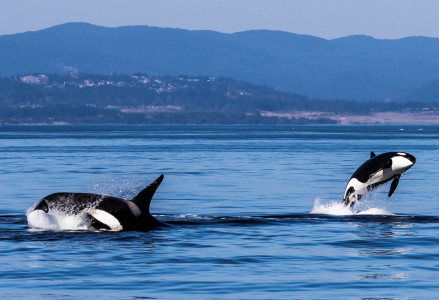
column 376, row 171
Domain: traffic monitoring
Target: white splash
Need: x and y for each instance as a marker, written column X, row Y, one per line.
column 54, row 220
column 125, row 187
column 337, row 208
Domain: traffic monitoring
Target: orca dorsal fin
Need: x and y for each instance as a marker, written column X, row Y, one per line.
column 372, row 154
column 143, row 199
column 394, row 184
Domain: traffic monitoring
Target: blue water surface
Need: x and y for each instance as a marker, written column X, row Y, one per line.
column 238, row 201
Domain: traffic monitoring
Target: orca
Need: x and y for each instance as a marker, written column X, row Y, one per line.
column 102, row 212
column 374, row 172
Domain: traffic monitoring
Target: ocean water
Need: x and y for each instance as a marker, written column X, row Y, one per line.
column 253, row 211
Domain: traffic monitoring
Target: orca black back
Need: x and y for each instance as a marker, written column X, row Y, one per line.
column 105, row 212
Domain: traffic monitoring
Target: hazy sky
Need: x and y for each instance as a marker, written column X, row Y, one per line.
column 324, row 18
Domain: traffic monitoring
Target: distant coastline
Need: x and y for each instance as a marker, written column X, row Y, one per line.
column 385, row 118
column 45, row 99
column 134, row 75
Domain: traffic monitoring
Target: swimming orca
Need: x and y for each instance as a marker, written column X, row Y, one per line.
column 102, row 212
column 377, row 170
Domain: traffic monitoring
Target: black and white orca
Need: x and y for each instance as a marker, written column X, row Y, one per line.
column 102, row 212
column 377, row 170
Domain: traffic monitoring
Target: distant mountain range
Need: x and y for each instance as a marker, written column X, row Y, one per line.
column 354, row 67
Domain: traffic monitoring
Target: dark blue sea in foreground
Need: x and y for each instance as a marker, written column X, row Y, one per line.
column 253, row 211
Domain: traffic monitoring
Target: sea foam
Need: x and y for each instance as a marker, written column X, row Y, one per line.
column 54, row 220
column 337, row 208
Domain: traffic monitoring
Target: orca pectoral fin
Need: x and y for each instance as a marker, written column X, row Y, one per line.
column 394, row 185
column 372, row 154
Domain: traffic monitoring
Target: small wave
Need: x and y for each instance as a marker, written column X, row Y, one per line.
column 331, row 212
column 337, row 208
column 191, row 216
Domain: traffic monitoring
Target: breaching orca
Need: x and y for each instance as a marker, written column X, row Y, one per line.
column 102, row 212
column 377, row 170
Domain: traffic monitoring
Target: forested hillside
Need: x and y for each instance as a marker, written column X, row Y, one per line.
column 354, row 68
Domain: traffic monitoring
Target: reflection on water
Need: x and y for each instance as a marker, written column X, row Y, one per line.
column 393, row 276
column 384, row 230
column 380, row 239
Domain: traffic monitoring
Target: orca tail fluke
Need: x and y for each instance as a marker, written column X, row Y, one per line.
column 394, row 185
column 143, row 199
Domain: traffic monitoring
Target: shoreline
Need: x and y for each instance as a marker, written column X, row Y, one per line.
column 381, row 118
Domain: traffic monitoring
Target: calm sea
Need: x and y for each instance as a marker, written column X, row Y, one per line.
column 253, row 210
